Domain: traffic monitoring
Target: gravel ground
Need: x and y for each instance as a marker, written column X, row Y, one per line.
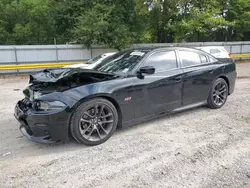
column 195, row 148
column 243, row 70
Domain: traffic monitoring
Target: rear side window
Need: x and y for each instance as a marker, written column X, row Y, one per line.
column 212, row 59
column 162, row 61
column 189, row 58
column 204, row 59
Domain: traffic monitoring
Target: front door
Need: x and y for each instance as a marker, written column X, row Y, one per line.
column 162, row 90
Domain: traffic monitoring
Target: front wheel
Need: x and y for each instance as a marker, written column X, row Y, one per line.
column 94, row 122
column 218, row 94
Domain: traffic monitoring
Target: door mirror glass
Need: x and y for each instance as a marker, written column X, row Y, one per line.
column 147, row 70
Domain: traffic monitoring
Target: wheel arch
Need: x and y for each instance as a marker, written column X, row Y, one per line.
column 117, row 106
column 227, row 80
column 103, row 95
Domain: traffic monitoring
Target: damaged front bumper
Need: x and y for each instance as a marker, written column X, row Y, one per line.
column 43, row 127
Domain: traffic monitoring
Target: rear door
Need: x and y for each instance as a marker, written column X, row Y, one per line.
column 163, row 88
column 198, row 75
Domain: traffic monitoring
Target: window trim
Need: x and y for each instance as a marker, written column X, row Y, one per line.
column 158, row 51
column 211, row 57
column 208, row 60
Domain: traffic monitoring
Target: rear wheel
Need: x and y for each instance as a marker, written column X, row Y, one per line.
column 218, row 94
column 94, row 121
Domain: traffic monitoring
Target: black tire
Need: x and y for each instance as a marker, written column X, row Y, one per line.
column 218, row 94
column 81, row 123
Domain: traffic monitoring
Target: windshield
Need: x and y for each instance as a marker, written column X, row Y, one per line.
column 93, row 60
column 121, row 62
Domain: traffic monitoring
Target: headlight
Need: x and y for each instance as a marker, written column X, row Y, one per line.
column 46, row 106
column 36, row 95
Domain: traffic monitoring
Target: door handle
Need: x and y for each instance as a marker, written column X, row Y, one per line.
column 210, row 70
column 178, row 79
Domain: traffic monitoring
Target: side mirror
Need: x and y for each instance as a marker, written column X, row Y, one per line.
column 147, row 70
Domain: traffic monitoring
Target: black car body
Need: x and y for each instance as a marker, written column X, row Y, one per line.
column 141, row 84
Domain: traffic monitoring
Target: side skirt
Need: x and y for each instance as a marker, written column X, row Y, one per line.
column 189, row 106
column 154, row 116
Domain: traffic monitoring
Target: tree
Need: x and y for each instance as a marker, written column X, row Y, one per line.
column 119, row 23
column 161, row 16
column 25, row 22
column 199, row 25
column 239, row 13
column 109, row 22
column 65, row 14
column 143, row 29
column 199, row 21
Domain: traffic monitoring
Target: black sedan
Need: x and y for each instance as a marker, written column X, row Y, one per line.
column 129, row 87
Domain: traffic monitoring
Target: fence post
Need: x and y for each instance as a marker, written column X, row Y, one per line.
column 240, row 49
column 16, row 59
column 56, row 53
column 56, row 49
column 91, row 52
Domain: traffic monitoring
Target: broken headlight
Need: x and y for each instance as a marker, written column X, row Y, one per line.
column 36, row 95
column 47, row 106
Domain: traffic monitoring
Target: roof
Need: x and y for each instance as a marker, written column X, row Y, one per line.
column 162, row 47
column 210, row 47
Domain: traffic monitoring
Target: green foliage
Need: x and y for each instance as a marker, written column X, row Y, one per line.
column 119, row 23
column 107, row 22
column 64, row 14
column 25, row 22
column 200, row 25
column 239, row 13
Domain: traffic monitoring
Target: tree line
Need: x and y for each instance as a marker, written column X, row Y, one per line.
column 120, row 23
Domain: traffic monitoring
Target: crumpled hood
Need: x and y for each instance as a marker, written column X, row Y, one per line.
column 59, row 80
column 69, row 74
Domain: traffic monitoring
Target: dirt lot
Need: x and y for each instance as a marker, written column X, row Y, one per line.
column 243, row 70
column 196, row 148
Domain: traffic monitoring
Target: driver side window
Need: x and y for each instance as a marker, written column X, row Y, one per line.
column 162, row 61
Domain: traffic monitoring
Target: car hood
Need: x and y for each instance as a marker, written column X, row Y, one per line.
column 55, row 75
column 51, row 80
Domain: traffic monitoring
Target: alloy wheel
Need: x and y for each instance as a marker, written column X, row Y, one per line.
column 96, row 122
column 220, row 93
